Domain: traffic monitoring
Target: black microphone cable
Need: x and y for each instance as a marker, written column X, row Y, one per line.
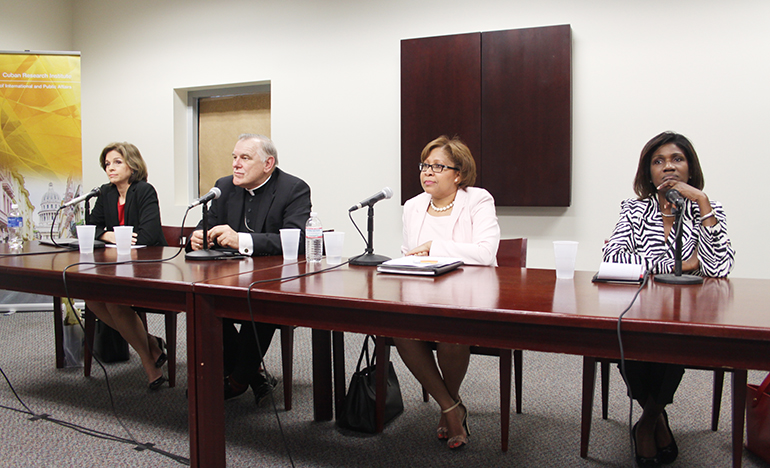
column 366, row 242
column 645, row 280
column 259, row 346
column 53, row 241
column 622, row 365
column 147, row 446
column 29, row 254
column 53, row 223
column 26, row 254
column 82, row 429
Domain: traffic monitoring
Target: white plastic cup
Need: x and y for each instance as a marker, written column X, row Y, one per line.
column 86, row 235
column 333, row 241
column 123, row 236
column 289, row 243
column 565, row 253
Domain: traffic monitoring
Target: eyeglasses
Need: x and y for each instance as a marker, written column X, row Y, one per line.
column 436, row 168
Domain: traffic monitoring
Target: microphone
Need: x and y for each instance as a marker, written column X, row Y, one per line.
column 214, row 193
column 384, row 193
column 675, row 198
column 93, row 193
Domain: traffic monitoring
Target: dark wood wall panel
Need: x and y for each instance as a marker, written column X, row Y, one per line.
column 507, row 94
column 440, row 95
column 526, row 116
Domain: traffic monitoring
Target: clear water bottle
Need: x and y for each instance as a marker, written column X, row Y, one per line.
column 314, row 238
column 15, row 227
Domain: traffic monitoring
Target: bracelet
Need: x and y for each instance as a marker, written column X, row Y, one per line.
column 704, row 218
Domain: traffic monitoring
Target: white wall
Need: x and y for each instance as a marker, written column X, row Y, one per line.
column 700, row 67
column 39, row 25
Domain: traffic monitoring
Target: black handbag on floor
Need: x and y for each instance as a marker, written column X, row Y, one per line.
column 109, row 344
column 358, row 409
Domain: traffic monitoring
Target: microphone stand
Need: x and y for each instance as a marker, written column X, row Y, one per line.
column 87, row 209
column 677, row 277
column 369, row 258
column 206, row 253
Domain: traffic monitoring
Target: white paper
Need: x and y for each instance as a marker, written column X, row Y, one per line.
column 418, row 261
column 620, row 271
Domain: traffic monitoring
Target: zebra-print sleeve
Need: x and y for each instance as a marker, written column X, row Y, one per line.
column 715, row 252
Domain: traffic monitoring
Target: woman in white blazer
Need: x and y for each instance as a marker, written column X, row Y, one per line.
column 449, row 219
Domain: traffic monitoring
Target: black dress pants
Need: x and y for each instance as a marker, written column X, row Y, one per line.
column 242, row 349
column 653, row 379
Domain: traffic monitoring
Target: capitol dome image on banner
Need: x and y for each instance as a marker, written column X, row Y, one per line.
column 40, row 141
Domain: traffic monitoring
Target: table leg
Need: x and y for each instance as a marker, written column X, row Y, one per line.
column 58, row 331
column 322, row 375
column 506, row 364
column 589, row 385
column 739, row 414
column 338, row 353
column 382, row 351
column 205, row 389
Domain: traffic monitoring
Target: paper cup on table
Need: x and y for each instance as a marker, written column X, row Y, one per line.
column 86, row 235
column 289, row 243
column 565, row 253
column 333, row 242
column 123, row 236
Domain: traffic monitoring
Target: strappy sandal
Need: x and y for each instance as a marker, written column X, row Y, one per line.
column 459, row 441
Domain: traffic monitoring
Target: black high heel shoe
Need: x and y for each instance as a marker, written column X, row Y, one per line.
column 643, row 462
column 163, row 358
column 668, row 453
column 157, row 383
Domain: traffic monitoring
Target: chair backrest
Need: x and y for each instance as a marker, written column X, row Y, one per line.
column 512, row 252
column 177, row 236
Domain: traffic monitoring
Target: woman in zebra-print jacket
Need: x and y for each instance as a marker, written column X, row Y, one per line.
column 643, row 235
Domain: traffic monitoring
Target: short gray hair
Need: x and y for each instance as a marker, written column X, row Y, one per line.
column 266, row 147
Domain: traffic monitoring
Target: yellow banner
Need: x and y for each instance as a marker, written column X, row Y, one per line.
column 40, row 140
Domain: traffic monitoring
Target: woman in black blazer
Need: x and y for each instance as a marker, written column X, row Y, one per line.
column 129, row 200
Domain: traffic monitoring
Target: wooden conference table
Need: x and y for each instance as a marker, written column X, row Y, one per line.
column 159, row 285
column 719, row 323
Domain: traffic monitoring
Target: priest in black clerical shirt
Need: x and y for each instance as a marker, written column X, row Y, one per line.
column 256, row 201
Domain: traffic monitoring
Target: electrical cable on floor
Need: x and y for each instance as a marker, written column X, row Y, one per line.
column 259, row 346
column 131, row 439
column 85, row 430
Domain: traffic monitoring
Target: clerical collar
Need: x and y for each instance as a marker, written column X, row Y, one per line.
column 251, row 191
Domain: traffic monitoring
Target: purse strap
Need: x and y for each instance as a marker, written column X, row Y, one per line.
column 761, row 391
column 365, row 352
